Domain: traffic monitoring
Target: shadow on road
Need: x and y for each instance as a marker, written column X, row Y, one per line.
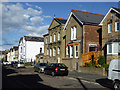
column 20, row 81
column 105, row 83
column 81, row 84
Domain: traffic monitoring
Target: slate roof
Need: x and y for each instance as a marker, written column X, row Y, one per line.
column 15, row 47
column 61, row 20
column 31, row 38
column 87, row 17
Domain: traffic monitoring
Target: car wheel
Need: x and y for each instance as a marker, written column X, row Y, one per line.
column 116, row 85
column 53, row 74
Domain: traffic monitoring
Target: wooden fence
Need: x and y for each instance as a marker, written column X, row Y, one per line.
column 91, row 57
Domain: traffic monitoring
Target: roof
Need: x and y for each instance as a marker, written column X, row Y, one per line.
column 87, row 17
column 46, row 34
column 117, row 10
column 113, row 40
column 15, row 47
column 31, row 38
column 60, row 20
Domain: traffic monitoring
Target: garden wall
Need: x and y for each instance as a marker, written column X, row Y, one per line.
column 93, row 70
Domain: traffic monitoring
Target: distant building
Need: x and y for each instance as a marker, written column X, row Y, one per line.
column 29, row 47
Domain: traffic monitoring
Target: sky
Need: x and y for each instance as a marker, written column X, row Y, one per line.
column 33, row 18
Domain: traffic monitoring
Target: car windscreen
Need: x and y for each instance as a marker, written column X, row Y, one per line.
column 60, row 65
column 42, row 64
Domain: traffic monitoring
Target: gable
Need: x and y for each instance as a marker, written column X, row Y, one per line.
column 113, row 10
column 53, row 24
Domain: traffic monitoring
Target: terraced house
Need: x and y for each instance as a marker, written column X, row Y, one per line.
column 111, row 34
column 54, row 45
column 83, row 34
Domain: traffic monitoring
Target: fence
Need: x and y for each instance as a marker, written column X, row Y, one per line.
column 91, row 57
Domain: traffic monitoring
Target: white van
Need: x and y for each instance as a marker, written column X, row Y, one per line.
column 114, row 73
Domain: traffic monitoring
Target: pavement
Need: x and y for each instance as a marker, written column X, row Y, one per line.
column 86, row 76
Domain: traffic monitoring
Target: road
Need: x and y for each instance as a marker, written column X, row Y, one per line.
column 27, row 78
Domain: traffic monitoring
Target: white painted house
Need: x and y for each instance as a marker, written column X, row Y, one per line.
column 29, row 47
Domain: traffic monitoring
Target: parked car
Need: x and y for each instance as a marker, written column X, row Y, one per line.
column 19, row 64
column 114, row 73
column 56, row 69
column 39, row 67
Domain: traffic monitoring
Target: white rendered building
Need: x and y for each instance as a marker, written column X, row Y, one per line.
column 29, row 47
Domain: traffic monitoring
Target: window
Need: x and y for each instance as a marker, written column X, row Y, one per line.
column 51, row 39
column 71, row 51
column 21, row 49
column 40, row 50
column 116, row 26
column 54, row 38
column 112, row 48
column 50, row 52
column 73, row 33
column 76, row 51
column 109, row 28
column 47, row 51
column 59, row 36
column 46, row 40
column 58, row 50
column 67, row 50
column 92, row 47
column 54, row 51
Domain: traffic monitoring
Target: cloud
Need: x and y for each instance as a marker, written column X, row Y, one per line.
column 5, row 42
column 14, row 17
column 35, row 31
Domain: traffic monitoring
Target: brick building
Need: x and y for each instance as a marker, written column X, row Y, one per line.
column 111, row 34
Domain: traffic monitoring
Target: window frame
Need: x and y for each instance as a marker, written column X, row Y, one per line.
column 113, row 45
column 76, row 51
column 109, row 30
column 116, row 26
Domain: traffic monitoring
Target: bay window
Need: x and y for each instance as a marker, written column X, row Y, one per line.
column 112, row 48
column 51, row 39
column 59, row 36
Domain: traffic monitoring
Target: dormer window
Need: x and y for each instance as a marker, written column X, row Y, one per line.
column 116, row 26
column 110, row 28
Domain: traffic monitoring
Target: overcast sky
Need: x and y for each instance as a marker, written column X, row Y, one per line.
column 33, row 19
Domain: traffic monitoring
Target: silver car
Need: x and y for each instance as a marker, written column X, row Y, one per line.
column 39, row 67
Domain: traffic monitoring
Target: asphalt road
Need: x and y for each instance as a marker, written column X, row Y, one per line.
column 27, row 78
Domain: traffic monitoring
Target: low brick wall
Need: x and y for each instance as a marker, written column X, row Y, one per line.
column 93, row 70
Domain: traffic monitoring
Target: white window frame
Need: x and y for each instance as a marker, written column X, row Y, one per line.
column 67, row 50
column 109, row 28
column 46, row 40
column 54, row 51
column 90, row 45
column 58, row 36
column 71, row 51
column 58, row 50
column 54, row 37
column 51, row 39
column 116, row 23
column 73, row 33
column 113, row 45
column 76, row 51
column 50, row 52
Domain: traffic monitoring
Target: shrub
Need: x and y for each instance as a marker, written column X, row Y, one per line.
column 88, row 64
column 101, row 60
column 98, row 66
column 106, row 66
